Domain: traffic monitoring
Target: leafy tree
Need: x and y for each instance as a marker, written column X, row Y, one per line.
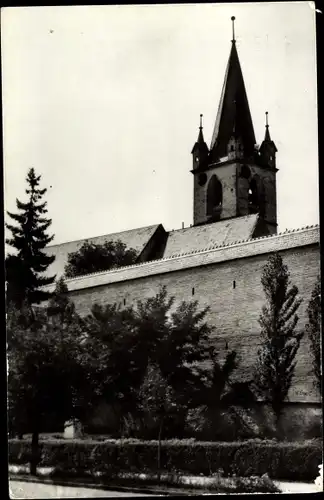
column 129, row 340
column 178, row 340
column 155, row 339
column 93, row 257
column 220, row 400
column 313, row 329
column 156, row 399
column 46, row 378
column 280, row 341
column 26, row 267
column 111, row 355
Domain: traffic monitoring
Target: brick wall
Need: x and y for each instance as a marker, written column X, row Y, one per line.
column 234, row 312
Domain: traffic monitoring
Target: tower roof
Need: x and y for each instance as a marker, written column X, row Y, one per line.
column 200, row 145
column 233, row 111
column 267, row 138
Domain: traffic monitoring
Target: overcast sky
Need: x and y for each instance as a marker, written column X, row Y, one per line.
column 104, row 103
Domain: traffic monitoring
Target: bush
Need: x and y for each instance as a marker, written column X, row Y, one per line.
column 289, row 461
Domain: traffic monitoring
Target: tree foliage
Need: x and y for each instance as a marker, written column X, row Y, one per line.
column 111, row 355
column 60, row 308
column 154, row 362
column 313, row 329
column 156, row 402
column 94, row 257
column 26, row 267
column 157, row 339
column 177, row 340
column 46, row 379
column 280, row 341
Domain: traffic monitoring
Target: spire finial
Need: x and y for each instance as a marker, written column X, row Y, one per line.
column 201, row 125
column 266, row 113
column 233, row 19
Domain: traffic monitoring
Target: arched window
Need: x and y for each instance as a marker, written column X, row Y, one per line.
column 214, row 196
column 253, row 197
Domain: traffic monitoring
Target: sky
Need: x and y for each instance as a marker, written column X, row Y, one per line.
column 104, row 103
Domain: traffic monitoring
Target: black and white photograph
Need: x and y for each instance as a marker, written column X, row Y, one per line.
column 162, row 249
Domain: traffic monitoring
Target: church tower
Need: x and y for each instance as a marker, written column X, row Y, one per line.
column 234, row 177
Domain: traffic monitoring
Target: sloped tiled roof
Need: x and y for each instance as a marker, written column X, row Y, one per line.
column 294, row 238
column 197, row 238
column 134, row 238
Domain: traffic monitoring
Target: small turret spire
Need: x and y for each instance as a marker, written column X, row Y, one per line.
column 201, row 135
column 268, row 148
column 200, row 145
column 233, row 30
column 267, row 133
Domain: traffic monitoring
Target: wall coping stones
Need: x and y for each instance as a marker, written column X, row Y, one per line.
column 240, row 249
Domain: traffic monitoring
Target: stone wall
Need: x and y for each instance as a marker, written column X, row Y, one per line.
column 232, row 289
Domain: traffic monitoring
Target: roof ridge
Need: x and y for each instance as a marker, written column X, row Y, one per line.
column 208, row 249
column 223, row 221
column 101, row 235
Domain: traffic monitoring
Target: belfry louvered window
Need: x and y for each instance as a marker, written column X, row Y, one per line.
column 214, row 196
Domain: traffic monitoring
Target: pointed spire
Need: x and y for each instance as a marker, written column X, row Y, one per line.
column 268, row 148
column 267, row 133
column 233, row 111
column 201, row 135
column 200, row 144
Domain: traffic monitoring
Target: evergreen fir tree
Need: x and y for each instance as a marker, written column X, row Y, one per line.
column 25, row 267
column 313, row 329
column 276, row 357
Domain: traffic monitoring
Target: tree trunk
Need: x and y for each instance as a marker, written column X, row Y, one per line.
column 159, row 450
column 279, row 430
column 34, row 453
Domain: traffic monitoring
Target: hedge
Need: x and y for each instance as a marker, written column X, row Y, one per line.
column 280, row 460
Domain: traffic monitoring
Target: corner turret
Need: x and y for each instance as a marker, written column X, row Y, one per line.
column 268, row 150
column 200, row 150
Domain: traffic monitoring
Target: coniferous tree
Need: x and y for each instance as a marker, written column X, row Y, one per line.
column 313, row 329
column 25, row 268
column 280, row 341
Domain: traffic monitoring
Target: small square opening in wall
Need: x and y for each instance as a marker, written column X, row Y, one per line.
column 234, row 284
column 193, row 291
